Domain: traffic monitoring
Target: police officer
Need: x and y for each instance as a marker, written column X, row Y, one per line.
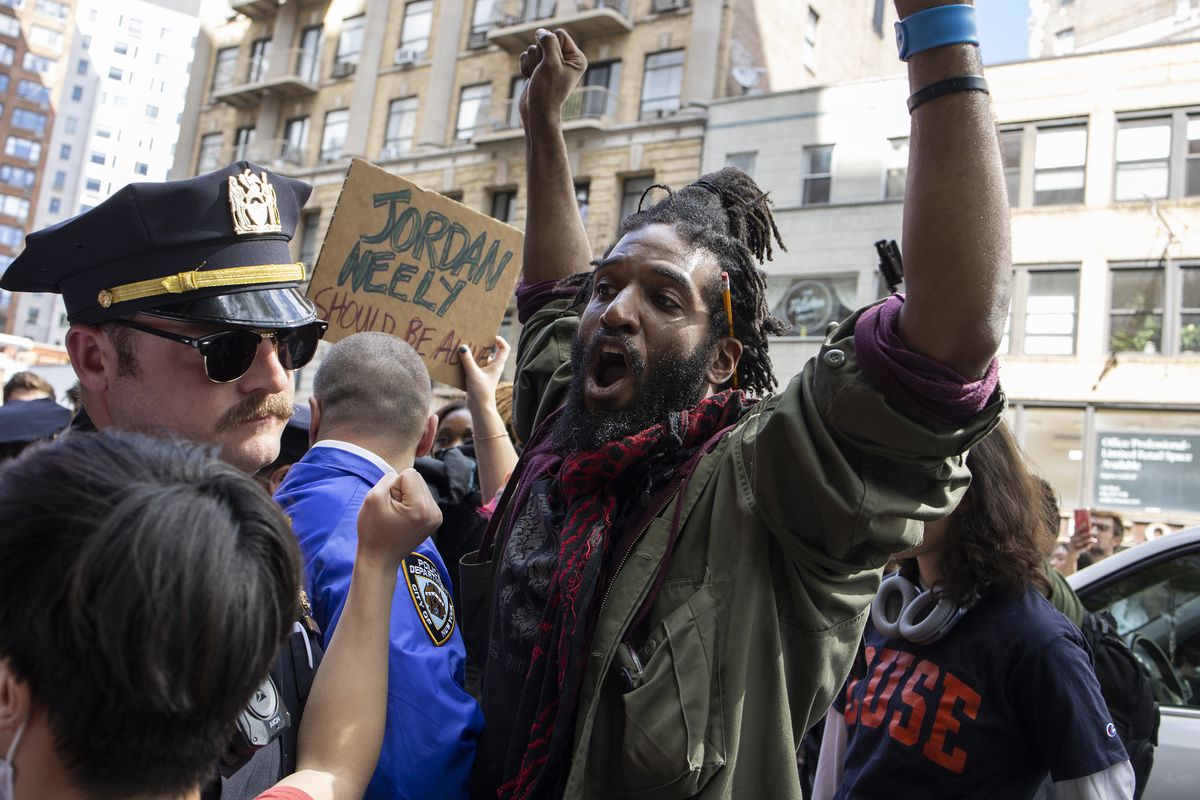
column 187, row 320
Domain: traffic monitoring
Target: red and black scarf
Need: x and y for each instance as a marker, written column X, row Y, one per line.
column 605, row 495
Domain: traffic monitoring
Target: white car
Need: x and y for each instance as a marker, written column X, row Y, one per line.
column 1153, row 592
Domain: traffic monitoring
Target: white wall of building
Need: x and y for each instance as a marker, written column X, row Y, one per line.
column 117, row 123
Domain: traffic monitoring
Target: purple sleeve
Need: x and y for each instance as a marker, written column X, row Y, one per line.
column 532, row 296
column 915, row 383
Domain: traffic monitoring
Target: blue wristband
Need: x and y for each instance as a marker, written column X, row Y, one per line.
column 936, row 27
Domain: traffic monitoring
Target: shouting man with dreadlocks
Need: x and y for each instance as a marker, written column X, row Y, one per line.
column 676, row 580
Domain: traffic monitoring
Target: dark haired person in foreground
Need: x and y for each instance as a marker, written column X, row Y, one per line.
column 678, row 579
column 976, row 686
column 147, row 588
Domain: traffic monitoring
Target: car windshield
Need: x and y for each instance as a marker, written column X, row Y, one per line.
column 1157, row 611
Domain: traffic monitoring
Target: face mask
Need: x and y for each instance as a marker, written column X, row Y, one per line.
column 6, row 768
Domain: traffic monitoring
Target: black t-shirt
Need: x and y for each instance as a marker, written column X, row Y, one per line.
column 1008, row 695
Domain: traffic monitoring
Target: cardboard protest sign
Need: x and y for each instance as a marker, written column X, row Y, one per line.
column 400, row 260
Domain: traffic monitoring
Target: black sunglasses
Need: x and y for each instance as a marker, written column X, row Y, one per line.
column 228, row 355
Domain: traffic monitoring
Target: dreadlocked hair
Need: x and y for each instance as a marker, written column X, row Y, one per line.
column 725, row 213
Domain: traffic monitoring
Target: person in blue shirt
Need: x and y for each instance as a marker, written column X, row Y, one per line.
column 370, row 416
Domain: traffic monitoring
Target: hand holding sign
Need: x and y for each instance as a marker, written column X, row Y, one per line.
column 400, row 260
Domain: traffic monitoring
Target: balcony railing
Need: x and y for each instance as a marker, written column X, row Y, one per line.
column 516, row 20
column 279, row 154
column 291, row 73
column 261, row 9
column 586, row 107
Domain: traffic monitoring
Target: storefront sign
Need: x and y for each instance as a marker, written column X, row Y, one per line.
column 1140, row 471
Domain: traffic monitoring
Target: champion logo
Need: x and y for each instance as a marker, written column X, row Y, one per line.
column 430, row 597
column 1111, row 730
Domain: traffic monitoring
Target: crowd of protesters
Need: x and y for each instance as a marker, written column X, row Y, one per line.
column 644, row 570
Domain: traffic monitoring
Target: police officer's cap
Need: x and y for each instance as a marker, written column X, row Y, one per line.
column 211, row 249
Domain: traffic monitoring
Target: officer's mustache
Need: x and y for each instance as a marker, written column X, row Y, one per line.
column 266, row 405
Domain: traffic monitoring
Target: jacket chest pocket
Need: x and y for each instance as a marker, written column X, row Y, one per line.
column 674, row 735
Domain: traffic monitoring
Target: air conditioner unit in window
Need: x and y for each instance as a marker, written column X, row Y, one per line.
column 343, row 69
column 669, row 5
column 406, row 56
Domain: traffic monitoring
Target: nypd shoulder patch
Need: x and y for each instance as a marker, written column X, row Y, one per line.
column 430, row 597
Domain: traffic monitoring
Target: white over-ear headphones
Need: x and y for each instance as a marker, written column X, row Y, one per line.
column 902, row 610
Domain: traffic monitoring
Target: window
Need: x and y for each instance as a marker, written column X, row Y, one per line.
column 224, row 66
column 12, row 3
column 1064, row 42
column 86, row 41
column 504, row 205
column 631, row 195
column 55, row 205
column 1143, row 159
column 36, row 63
column 1044, row 311
column 151, row 112
column 45, row 37
column 114, row 73
column 161, row 59
column 81, row 67
column 743, row 161
column 259, row 60
column 661, row 84
column 98, row 158
column 210, row 152
column 243, row 138
column 7, row 53
column 308, row 238
column 418, row 20
column 810, row 39
column 401, row 123
column 471, row 102
column 1010, row 154
column 60, row 179
column 481, row 21
column 308, row 65
column 350, row 40
column 10, row 236
column 92, row 185
column 9, row 26
column 1189, row 311
column 896, row 169
column 818, row 174
column 64, row 152
column 877, row 17
column 53, row 9
column 71, row 124
column 77, row 93
column 17, row 176
column 134, row 28
column 598, row 98
column 582, row 192
column 809, row 304
column 14, row 207
column 121, row 48
column 3, row 82
column 333, row 137
column 29, row 120
column 1135, row 315
column 295, row 134
column 20, row 147
column 1058, row 163
column 34, row 92
column 141, row 168
column 1192, row 182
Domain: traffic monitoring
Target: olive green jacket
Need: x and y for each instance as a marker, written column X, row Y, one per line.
column 785, row 527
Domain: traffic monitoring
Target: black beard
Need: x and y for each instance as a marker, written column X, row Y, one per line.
column 676, row 384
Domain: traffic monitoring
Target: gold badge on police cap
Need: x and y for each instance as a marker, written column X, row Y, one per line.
column 252, row 202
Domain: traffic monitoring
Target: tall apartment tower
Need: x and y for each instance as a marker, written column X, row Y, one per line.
column 428, row 89
column 35, row 35
column 1060, row 27
column 125, row 77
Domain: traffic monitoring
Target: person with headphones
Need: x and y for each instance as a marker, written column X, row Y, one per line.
column 975, row 686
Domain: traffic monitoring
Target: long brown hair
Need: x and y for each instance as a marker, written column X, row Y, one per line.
column 998, row 537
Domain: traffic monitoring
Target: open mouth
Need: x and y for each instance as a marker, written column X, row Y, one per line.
column 611, row 365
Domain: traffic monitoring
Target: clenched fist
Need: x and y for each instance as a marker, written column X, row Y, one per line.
column 398, row 514
column 552, row 68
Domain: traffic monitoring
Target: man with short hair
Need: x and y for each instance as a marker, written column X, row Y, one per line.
column 27, row 386
column 370, row 416
column 1108, row 529
column 680, row 572
column 187, row 321
column 185, row 310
